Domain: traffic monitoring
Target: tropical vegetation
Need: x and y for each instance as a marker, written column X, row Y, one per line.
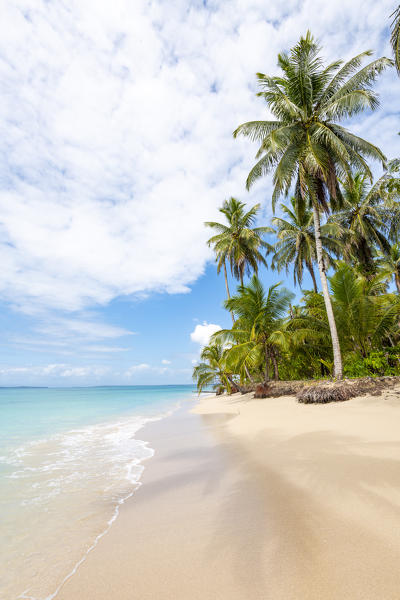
column 333, row 219
column 238, row 242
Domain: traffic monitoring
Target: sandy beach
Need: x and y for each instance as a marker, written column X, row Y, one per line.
column 259, row 499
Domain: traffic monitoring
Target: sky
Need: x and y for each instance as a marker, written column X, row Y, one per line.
column 116, row 145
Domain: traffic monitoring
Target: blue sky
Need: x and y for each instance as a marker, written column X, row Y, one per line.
column 116, row 143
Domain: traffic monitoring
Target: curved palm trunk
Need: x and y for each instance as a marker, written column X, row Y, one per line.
column 235, row 385
column 227, row 289
column 337, row 357
column 248, row 374
column 311, row 271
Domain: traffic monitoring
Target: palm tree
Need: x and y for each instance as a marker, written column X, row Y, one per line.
column 305, row 144
column 390, row 264
column 238, row 242
column 365, row 315
column 364, row 220
column 257, row 334
column 395, row 37
column 366, row 318
column 212, row 369
column 296, row 241
column 308, row 331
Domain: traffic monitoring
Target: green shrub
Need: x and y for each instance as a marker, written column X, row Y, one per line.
column 377, row 364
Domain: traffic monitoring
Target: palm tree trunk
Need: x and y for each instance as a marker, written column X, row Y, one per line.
column 241, row 278
column 397, row 281
column 311, row 270
column 235, row 385
column 227, row 290
column 275, row 365
column 248, row 374
column 226, row 282
column 266, row 376
column 337, row 357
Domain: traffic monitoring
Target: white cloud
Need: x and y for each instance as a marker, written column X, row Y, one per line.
column 165, row 361
column 146, row 368
column 59, row 370
column 65, row 336
column 105, row 349
column 137, row 369
column 80, row 328
column 84, row 371
column 202, row 333
column 115, row 133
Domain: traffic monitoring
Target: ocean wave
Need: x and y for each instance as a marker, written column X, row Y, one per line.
column 75, row 477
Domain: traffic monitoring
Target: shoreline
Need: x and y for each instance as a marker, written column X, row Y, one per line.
column 264, row 499
column 120, row 503
column 97, row 467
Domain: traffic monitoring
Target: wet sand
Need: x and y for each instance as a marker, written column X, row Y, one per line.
column 259, row 499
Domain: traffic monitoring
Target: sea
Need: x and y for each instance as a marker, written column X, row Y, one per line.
column 69, row 458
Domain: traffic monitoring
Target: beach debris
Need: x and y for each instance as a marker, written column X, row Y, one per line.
column 262, row 390
column 322, row 393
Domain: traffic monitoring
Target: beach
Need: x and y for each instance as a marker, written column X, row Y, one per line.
column 69, row 459
column 259, row 499
column 200, row 300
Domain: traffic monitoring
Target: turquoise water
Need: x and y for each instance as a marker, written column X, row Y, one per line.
column 69, row 457
column 29, row 413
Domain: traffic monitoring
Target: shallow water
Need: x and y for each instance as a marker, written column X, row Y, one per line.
column 68, row 459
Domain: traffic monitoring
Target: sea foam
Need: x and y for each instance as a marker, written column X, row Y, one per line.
column 63, row 493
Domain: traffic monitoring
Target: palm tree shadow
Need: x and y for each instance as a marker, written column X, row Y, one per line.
column 283, row 515
column 275, row 522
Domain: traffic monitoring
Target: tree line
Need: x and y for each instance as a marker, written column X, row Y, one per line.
column 335, row 220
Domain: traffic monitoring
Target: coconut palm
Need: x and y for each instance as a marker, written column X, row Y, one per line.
column 257, row 334
column 296, row 241
column 211, row 371
column 305, row 144
column 239, row 243
column 364, row 221
column 390, row 264
column 395, row 37
column 365, row 315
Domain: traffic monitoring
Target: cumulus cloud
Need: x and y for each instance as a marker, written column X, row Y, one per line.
column 115, row 133
column 116, row 145
column 165, row 361
column 202, row 333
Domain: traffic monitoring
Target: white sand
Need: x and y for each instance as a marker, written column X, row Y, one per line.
column 260, row 500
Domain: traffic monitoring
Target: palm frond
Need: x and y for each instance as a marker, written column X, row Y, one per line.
column 395, row 37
